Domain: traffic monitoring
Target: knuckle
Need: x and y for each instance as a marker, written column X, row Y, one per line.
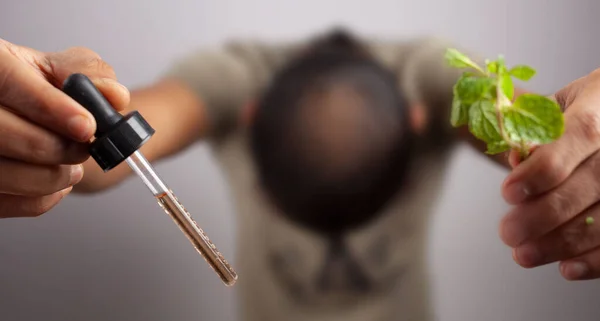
column 562, row 98
column 50, row 180
column 46, row 150
column 566, row 95
column 82, row 52
column 98, row 66
column 6, row 48
column 558, row 204
column 595, row 74
column 553, row 169
column 106, row 69
column 39, row 153
column 90, row 61
column 6, row 74
column 94, row 63
column 589, row 124
column 594, row 169
column 32, row 189
column 17, row 180
column 572, row 240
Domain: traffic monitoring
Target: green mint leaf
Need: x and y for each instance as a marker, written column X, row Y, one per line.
column 507, row 85
column 467, row 91
column 459, row 60
column 497, row 147
column 483, row 121
column 460, row 112
column 533, row 120
column 522, row 72
column 492, row 66
column 470, row 89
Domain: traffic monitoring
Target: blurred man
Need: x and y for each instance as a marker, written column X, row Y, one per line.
column 335, row 149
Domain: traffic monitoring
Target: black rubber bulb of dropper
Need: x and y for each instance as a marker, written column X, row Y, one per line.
column 117, row 136
column 82, row 90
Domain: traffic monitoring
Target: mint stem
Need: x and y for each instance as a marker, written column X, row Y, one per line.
column 500, row 100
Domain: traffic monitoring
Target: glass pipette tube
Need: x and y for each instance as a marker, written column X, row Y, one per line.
column 167, row 200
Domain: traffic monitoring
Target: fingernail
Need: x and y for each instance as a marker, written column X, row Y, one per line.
column 528, row 255
column 516, row 192
column 76, row 174
column 66, row 191
column 80, row 127
column 114, row 82
column 123, row 87
column 575, row 270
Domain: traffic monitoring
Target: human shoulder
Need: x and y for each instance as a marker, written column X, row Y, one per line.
column 253, row 53
column 397, row 53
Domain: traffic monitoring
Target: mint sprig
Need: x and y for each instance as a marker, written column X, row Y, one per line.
column 484, row 101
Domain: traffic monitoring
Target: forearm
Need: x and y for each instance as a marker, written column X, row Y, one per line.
column 177, row 116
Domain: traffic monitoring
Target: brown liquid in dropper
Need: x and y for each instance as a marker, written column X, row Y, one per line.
column 196, row 235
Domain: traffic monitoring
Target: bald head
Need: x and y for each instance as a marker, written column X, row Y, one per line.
column 331, row 140
column 337, row 132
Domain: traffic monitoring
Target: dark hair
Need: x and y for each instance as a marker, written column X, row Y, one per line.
column 281, row 146
column 339, row 41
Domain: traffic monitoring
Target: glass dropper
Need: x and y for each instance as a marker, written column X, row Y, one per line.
column 118, row 138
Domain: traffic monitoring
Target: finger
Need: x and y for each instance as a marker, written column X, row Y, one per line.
column 116, row 94
column 515, row 158
column 12, row 206
column 537, row 217
column 551, row 164
column 18, row 178
column 27, row 142
column 584, row 267
column 568, row 241
column 87, row 62
column 25, row 91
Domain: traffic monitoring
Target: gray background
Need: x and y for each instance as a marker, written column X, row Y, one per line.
column 116, row 256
